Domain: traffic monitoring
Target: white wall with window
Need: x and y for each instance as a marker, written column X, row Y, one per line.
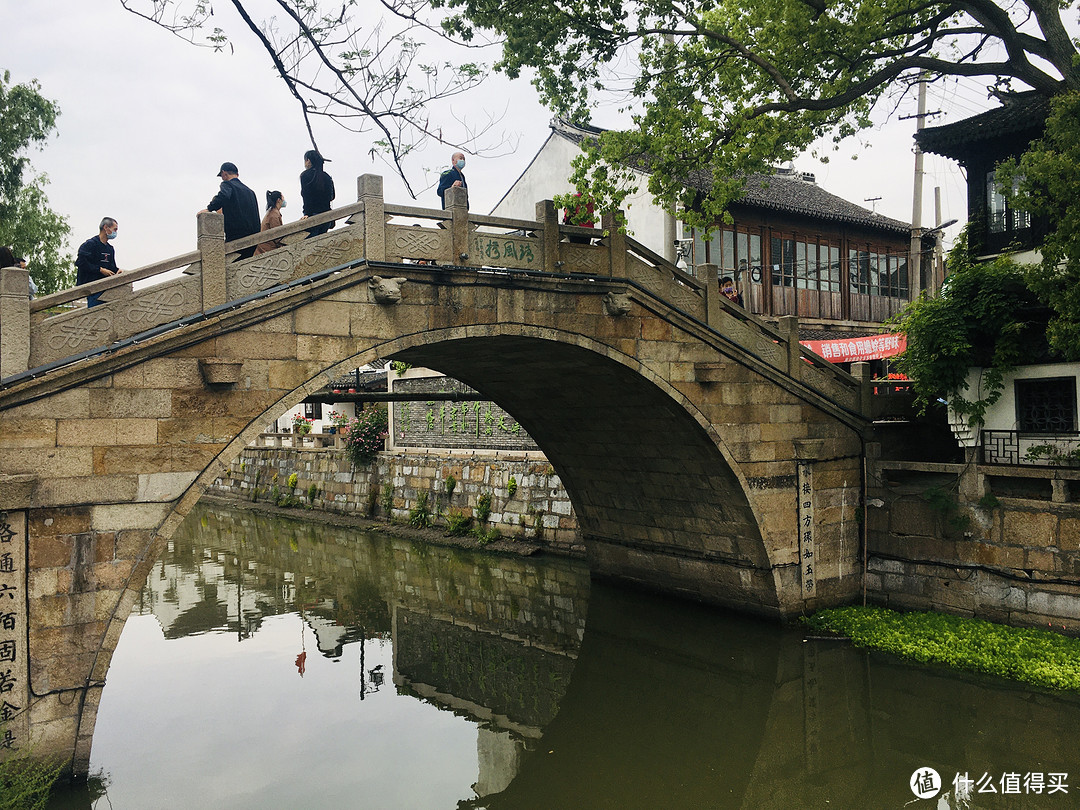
column 1037, row 408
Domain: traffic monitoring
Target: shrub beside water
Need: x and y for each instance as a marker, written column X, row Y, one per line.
column 365, row 435
column 25, row 783
column 1032, row 655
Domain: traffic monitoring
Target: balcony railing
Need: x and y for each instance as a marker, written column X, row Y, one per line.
column 1030, row 449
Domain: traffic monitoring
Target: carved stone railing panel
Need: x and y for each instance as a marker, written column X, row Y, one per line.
column 417, row 243
column 589, row 259
column 831, row 386
column 82, row 329
column 668, row 289
column 750, row 335
column 294, row 261
column 506, row 250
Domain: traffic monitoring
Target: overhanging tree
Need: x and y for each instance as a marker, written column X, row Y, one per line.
column 356, row 64
column 732, row 86
column 27, row 223
column 1047, row 179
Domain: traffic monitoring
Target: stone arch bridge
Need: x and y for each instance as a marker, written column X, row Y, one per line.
column 706, row 453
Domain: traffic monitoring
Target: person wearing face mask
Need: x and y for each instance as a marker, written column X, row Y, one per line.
column 96, row 258
column 275, row 201
column 316, row 190
column 454, row 177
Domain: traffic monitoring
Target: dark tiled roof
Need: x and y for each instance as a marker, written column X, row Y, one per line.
column 777, row 192
column 794, row 195
column 1022, row 114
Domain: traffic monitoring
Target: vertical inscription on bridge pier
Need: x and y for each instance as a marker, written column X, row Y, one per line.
column 807, row 559
column 14, row 669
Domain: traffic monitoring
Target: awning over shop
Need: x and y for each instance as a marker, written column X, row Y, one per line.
column 873, row 347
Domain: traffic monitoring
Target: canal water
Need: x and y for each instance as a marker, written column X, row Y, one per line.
column 278, row 663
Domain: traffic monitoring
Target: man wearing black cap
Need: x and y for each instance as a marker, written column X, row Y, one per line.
column 238, row 204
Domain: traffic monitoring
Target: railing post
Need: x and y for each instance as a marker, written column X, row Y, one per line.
column 616, row 240
column 14, row 320
column 709, row 274
column 457, row 203
column 861, row 372
column 546, row 216
column 369, row 191
column 789, row 328
column 211, row 242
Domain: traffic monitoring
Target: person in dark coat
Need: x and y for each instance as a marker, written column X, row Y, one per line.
column 96, row 258
column 316, row 189
column 238, row 204
column 454, row 177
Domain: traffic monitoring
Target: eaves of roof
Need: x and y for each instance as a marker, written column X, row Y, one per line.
column 778, row 192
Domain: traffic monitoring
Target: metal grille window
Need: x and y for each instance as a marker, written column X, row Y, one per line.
column 1046, row 405
column 313, row 410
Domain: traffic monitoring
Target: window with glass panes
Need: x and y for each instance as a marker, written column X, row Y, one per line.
column 1001, row 216
column 875, row 273
column 736, row 253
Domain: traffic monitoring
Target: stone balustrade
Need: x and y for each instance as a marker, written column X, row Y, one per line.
column 300, row 441
column 36, row 337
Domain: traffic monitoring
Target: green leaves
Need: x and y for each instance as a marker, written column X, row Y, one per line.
column 1048, row 183
column 27, row 223
column 985, row 317
column 729, row 88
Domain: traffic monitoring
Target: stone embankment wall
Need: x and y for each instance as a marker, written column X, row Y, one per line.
column 993, row 541
column 538, row 508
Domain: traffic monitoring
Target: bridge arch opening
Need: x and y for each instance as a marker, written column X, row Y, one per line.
column 658, row 498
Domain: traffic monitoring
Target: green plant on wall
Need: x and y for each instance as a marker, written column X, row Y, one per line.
column 483, row 508
column 420, row 514
column 1056, row 454
column 943, row 501
column 292, row 480
column 458, row 523
column 25, row 781
column 450, row 484
column 386, row 501
column 511, row 487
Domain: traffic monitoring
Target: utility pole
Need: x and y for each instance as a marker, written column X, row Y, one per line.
column 915, row 265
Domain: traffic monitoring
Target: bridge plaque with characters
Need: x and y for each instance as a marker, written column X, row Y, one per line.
column 807, row 560
column 14, row 669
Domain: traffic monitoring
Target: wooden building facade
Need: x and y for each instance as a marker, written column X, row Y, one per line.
column 795, row 249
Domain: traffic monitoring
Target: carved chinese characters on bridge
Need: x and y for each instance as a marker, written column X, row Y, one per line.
column 14, row 687
column 504, row 252
column 807, row 552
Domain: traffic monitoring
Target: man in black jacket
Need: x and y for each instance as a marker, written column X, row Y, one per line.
column 238, row 204
column 96, row 258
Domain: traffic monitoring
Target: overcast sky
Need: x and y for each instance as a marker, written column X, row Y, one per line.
column 147, row 119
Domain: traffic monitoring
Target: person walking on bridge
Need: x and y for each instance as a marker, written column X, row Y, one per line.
column 275, row 201
column 96, row 258
column 238, row 204
column 454, row 177
column 316, row 190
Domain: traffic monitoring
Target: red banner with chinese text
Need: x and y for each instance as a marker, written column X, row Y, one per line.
column 874, row 347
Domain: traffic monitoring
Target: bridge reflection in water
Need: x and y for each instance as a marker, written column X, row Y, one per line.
column 654, row 704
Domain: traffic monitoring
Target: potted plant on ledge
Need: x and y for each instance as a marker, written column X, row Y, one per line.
column 338, row 422
column 301, row 425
